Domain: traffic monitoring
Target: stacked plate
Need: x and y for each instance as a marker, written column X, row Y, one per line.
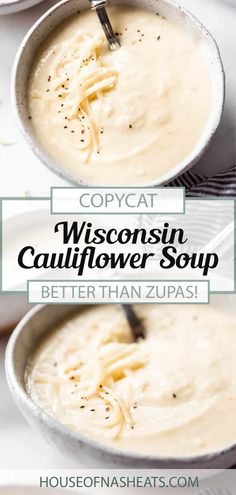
column 11, row 6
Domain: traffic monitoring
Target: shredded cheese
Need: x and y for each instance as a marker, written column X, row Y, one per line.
column 86, row 375
column 78, row 77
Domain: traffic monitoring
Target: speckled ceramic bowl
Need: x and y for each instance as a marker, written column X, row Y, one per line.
column 11, row 6
column 66, row 8
column 88, row 453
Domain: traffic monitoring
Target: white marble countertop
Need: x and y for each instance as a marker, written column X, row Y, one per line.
column 20, row 172
column 21, row 447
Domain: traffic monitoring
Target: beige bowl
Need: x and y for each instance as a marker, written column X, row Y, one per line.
column 66, row 8
column 88, row 453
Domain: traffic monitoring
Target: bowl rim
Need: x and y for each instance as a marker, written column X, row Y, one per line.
column 21, row 394
column 188, row 162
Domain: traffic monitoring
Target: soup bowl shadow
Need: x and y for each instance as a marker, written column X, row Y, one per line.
column 38, row 322
column 66, row 8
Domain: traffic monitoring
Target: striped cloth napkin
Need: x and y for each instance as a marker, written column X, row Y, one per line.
column 222, row 184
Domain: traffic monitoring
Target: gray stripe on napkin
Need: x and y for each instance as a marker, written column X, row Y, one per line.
column 222, row 184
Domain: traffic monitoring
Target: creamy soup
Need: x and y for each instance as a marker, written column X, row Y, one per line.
column 172, row 394
column 121, row 117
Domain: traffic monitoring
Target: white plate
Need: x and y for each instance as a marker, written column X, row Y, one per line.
column 11, row 6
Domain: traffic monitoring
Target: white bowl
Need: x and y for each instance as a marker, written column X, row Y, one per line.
column 11, row 6
column 66, row 8
column 23, row 342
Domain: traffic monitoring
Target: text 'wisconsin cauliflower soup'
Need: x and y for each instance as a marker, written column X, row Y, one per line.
column 122, row 117
column 171, row 394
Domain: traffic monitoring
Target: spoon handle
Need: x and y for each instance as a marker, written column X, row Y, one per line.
column 99, row 6
column 134, row 321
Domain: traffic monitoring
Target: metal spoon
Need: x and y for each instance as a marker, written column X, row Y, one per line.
column 99, row 6
column 134, row 321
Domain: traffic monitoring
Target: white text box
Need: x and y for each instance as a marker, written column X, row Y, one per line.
column 117, row 200
column 117, row 291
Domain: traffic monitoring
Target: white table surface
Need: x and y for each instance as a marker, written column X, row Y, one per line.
column 21, row 172
column 21, row 447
